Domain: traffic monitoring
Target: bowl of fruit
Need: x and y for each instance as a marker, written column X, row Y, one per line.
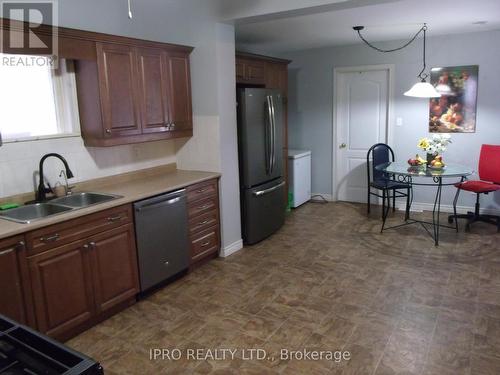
column 417, row 161
column 437, row 163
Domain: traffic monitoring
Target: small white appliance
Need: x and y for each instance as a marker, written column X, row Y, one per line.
column 299, row 171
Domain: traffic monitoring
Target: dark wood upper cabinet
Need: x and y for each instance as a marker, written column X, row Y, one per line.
column 15, row 295
column 154, row 90
column 114, row 267
column 134, row 94
column 181, row 113
column 250, row 71
column 118, row 87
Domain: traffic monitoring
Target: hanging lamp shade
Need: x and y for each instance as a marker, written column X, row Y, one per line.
column 423, row 90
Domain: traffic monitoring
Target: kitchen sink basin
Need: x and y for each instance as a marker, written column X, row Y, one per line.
column 80, row 200
column 32, row 212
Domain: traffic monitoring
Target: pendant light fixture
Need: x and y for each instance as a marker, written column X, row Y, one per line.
column 422, row 89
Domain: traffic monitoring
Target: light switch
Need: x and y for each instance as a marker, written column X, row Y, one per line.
column 399, row 121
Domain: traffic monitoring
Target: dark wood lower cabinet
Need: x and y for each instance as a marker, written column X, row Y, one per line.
column 79, row 283
column 114, row 267
column 15, row 293
column 204, row 228
column 62, row 288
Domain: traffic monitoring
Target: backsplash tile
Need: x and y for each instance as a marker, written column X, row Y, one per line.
column 19, row 161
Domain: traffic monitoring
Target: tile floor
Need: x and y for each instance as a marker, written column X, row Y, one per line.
column 327, row 281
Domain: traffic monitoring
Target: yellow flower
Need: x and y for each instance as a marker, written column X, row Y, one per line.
column 423, row 143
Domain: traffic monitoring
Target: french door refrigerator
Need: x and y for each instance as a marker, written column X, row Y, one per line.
column 260, row 142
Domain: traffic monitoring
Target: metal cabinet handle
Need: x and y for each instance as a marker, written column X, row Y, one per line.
column 199, row 191
column 203, row 223
column 342, row 145
column 166, row 264
column 92, row 245
column 172, row 126
column 53, row 238
column 113, row 219
column 205, row 244
column 86, row 247
column 205, row 206
column 21, row 245
column 108, row 131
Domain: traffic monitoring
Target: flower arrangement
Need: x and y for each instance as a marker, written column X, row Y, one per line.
column 435, row 145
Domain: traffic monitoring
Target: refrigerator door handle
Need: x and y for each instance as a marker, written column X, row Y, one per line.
column 273, row 164
column 270, row 190
column 270, row 139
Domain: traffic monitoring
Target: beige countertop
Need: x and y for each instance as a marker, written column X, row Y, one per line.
column 132, row 188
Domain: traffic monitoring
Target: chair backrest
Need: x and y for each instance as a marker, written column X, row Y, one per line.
column 489, row 163
column 380, row 154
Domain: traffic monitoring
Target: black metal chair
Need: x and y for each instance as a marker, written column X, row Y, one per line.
column 380, row 154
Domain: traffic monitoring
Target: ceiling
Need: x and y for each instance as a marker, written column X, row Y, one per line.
column 329, row 23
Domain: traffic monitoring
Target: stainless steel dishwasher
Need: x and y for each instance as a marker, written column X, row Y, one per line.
column 162, row 237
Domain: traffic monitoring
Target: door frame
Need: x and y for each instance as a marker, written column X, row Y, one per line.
column 336, row 94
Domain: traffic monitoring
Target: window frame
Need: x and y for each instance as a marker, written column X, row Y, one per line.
column 66, row 105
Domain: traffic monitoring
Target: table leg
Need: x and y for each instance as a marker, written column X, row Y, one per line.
column 436, row 211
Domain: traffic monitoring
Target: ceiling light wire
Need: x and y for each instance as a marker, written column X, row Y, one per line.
column 359, row 28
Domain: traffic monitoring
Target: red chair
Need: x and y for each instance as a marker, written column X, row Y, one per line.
column 489, row 173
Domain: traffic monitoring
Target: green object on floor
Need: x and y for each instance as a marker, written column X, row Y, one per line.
column 290, row 202
column 8, row 206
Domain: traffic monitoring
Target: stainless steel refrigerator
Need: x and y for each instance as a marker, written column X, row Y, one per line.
column 260, row 142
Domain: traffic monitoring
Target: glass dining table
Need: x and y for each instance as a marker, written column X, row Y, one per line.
column 424, row 176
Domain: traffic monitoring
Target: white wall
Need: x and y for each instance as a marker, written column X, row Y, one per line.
column 311, row 102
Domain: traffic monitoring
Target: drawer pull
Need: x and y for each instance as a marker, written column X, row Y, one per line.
column 200, row 191
column 5, row 252
column 49, row 239
column 114, row 219
column 21, row 245
column 166, row 264
column 203, row 223
column 205, row 244
column 205, row 206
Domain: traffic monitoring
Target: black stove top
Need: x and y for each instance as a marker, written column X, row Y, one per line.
column 27, row 352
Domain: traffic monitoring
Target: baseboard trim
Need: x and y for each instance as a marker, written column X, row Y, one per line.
column 448, row 208
column 328, row 197
column 231, row 249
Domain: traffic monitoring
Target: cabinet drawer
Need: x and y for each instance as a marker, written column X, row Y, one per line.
column 59, row 234
column 202, row 190
column 203, row 206
column 203, row 222
column 205, row 243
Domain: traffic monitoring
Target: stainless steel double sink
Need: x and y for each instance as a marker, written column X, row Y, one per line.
column 32, row 212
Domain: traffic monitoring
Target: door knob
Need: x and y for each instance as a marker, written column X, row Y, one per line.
column 342, row 145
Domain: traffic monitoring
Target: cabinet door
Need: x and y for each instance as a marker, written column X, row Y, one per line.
column 114, row 267
column 62, row 289
column 240, row 70
column 256, row 72
column 153, row 89
column 181, row 114
column 118, row 88
column 14, row 280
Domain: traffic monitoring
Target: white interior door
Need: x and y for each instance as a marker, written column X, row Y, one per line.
column 362, row 113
